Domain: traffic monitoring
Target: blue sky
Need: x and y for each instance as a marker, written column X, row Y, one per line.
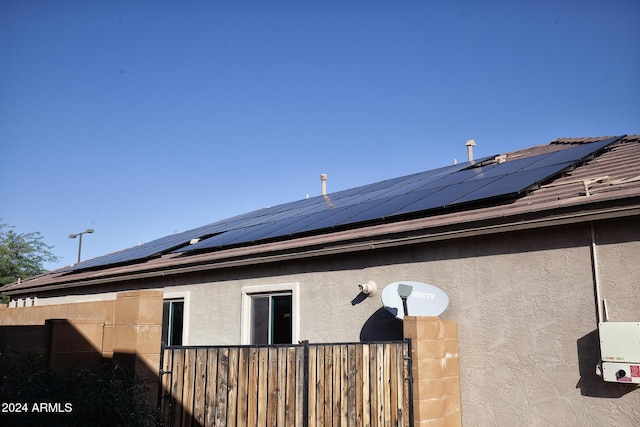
column 144, row 118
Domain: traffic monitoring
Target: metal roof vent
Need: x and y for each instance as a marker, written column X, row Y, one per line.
column 470, row 144
column 323, row 181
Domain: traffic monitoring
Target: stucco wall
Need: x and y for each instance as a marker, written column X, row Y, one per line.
column 524, row 303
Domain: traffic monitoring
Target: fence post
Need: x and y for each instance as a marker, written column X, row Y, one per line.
column 410, row 379
column 160, row 391
column 305, row 391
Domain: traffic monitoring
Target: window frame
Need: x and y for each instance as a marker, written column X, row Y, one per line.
column 283, row 288
column 184, row 297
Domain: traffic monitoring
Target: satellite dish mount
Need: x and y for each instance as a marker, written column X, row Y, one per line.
column 404, row 291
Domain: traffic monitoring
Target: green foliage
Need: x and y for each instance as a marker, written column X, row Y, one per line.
column 22, row 254
column 107, row 396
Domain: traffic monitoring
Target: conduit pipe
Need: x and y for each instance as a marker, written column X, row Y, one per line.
column 596, row 274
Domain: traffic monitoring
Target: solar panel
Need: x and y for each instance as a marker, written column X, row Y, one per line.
column 441, row 196
column 389, row 206
column 435, row 189
column 321, row 220
column 512, row 184
column 440, row 188
column 142, row 251
column 165, row 244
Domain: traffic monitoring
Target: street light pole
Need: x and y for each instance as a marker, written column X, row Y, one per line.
column 73, row 236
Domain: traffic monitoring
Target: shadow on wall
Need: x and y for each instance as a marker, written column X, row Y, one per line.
column 382, row 326
column 591, row 384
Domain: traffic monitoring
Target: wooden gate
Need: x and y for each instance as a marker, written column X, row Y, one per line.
column 352, row 384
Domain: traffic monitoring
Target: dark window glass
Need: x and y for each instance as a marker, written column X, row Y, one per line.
column 281, row 319
column 177, row 308
column 172, row 321
column 260, row 320
column 271, row 319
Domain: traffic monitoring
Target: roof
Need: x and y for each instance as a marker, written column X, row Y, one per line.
column 559, row 181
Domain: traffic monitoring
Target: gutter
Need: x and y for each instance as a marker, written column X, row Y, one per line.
column 372, row 244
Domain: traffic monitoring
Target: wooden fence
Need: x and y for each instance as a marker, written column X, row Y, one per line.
column 354, row 384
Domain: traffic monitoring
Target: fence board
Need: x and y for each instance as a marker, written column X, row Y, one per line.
column 373, row 385
column 328, row 385
column 176, row 393
column 320, row 378
column 366, row 388
column 200, row 404
column 263, row 395
column 335, row 392
column 393, row 385
column 351, row 384
column 290, row 406
column 189, row 388
column 272, row 386
column 232, row 385
column 282, row 385
column 221, row 388
column 300, row 386
column 243, row 381
column 380, row 385
column 387, row 386
column 313, row 386
column 344, row 385
column 211, row 386
column 252, row 388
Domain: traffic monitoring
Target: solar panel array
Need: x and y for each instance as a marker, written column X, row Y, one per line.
column 445, row 187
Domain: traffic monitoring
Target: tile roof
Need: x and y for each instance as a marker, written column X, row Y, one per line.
column 617, row 170
column 610, row 178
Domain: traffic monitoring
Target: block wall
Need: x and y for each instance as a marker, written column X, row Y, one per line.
column 436, row 375
column 128, row 328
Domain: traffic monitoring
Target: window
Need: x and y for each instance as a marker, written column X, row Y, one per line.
column 172, row 321
column 271, row 319
column 270, row 314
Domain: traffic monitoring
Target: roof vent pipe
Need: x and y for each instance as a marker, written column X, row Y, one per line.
column 323, row 181
column 470, row 144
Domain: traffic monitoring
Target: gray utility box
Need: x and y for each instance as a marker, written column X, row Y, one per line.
column 620, row 351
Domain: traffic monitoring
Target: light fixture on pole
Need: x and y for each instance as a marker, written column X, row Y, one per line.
column 73, row 236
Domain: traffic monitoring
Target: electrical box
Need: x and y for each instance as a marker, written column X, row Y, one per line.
column 620, row 351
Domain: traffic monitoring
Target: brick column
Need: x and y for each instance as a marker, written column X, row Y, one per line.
column 436, row 375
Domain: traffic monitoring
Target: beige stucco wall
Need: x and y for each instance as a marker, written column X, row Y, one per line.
column 524, row 304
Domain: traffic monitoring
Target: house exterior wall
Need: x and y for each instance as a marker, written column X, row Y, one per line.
column 524, row 303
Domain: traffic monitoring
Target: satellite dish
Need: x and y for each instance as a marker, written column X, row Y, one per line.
column 414, row 299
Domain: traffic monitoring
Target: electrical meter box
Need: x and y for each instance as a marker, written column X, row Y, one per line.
column 620, row 351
